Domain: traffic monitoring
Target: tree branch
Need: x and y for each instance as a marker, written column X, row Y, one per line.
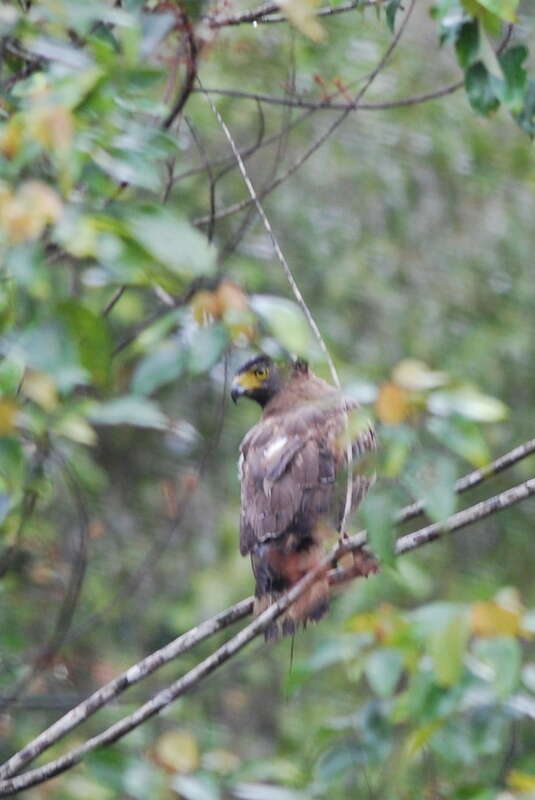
column 73, row 718
column 118, row 685
column 474, row 478
column 323, row 137
column 191, row 72
column 267, row 13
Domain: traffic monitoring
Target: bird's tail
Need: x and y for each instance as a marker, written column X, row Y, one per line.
column 277, row 567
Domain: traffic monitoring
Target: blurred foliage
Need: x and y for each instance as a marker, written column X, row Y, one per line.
column 124, row 309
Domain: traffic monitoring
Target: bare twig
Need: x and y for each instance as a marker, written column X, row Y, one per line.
column 463, row 518
column 323, row 137
column 474, row 478
column 282, row 259
column 211, row 178
column 111, row 690
column 268, row 13
column 114, row 299
column 163, row 698
column 298, row 296
column 327, row 104
column 191, row 72
column 282, row 143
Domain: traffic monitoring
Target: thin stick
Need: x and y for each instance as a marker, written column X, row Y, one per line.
column 328, row 104
column 268, row 13
column 474, row 478
column 163, row 698
column 298, row 296
column 118, row 685
column 282, row 259
column 221, row 621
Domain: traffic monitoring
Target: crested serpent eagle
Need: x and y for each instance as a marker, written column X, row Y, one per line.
column 291, row 464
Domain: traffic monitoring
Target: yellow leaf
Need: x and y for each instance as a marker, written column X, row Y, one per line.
column 42, row 200
column 302, row 14
column 416, row 376
column 53, row 127
column 522, row 782
column 491, row 619
column 417, row 740
column 8, row 413
column 41, row 389
column 77, row 429
column 11, row 136
column 26, row 214
column 393, row 404
column 231, row 297
column 177, row 751
column 205, row 306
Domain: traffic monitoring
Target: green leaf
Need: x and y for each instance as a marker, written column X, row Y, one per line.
column 503, row 656
column 467, row 43
column 433, row 480
column 158, row 368
column 419, row 738
column 526, row 117
column 129, row 410
column 195, row 787
column 206, row 347
column 11, row 372
column 397, row 442
column 172, row 241
column 491, row 23
column 377, row 512
column 461, row 436
column 504, row 9
column 286, row 321
column 48, row 347
column 11, row 461
column 514, row 90
column 480, row 89
column 392, row 7
column 447, row 647
column 383, row 669
column 5, row 505
column 90, row 333
column 468, row 402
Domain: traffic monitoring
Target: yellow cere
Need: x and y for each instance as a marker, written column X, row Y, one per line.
column 250, row 380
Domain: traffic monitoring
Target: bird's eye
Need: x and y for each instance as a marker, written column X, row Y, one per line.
column 261, row 373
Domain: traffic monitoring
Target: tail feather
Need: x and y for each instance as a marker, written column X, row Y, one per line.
column 277, row 568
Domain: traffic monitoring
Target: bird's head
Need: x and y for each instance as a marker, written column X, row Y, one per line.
column 259, row 379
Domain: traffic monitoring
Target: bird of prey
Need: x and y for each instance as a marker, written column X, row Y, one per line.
column 288, row 468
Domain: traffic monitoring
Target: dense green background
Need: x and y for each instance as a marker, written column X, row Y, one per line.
column 411, row 235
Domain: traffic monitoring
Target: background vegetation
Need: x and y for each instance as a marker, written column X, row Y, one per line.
column 132, row 286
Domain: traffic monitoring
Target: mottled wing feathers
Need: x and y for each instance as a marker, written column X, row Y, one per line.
column 288, row 468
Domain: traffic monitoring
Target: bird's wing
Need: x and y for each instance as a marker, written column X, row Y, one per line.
column 288, row 468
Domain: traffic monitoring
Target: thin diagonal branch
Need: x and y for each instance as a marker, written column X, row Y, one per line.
column 163, row 698
column 191, row 72
column 323, row 137
column 300, row 300
column 328, row 104
column 268, row 12
column 284, row 263
column 185, row 642
column 111, row 690
column 474, row 478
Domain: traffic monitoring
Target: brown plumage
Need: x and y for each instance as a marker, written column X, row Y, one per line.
column 289, row 465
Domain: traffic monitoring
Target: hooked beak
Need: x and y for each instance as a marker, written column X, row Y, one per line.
column 237, row 390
